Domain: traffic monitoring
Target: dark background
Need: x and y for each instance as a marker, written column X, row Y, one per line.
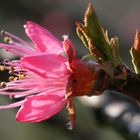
column 119, row 17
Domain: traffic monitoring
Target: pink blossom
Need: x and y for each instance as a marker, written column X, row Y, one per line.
column 44, row 76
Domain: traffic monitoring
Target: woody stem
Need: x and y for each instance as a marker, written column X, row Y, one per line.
column 129, row 86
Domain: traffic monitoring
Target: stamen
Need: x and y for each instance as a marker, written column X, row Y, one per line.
column 11, row 78
column 11, row 71
column 15, row 37
column 12, row 105
column 2, row 67
column 12, row 36
column 18, row 48
column 16, row 45
column 8, row 39
column 3, row 84
column 2, row 32
column 21, row 76
column 16, row 78
column 14, row 71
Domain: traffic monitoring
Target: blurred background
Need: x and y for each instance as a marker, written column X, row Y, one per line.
column 109, row 116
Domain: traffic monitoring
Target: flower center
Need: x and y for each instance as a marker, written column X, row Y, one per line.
column 13, row 71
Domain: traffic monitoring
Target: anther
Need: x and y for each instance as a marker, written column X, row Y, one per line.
column 11, row 78
column 21, row 76
column 8, row 39
column 16, row 78
column 2, row 32
column 3, row 84
column 2, row 67
column 11, row 72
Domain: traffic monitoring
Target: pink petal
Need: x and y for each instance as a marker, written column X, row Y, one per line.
column 46, row 65
column 44, row 40
column 40, row 107
column 69, row 49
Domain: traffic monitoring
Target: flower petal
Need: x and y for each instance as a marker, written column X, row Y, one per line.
column 40, row 107
column 69, row 49
column 46, row 65
column 44, row 40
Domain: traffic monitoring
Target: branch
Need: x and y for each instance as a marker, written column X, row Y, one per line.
column 120, row 113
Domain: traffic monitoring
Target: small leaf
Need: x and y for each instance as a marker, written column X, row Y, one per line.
column 97, row 41
column 82, row 31
column 114, row 43
column 135, row 53
column 95, row 30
